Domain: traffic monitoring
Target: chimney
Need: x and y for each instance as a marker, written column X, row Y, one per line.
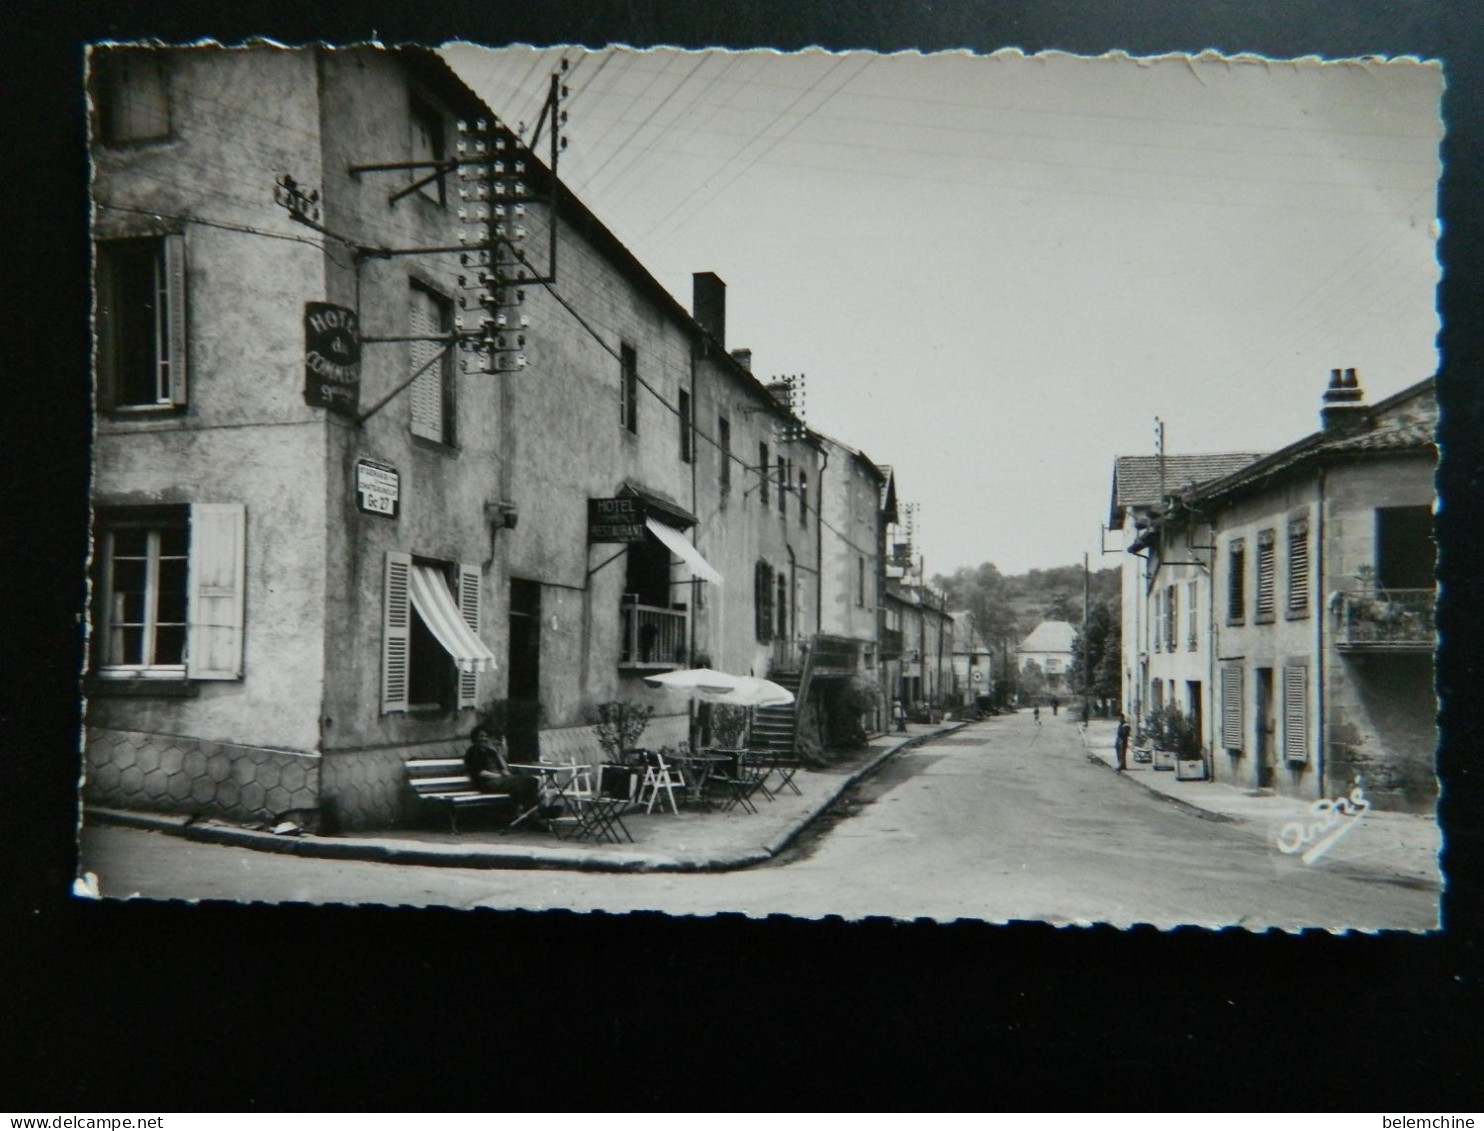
column 743, row 358
column 709, row 305
column 1344, row 402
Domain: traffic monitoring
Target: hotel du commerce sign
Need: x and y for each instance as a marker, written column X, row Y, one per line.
column 332, row 358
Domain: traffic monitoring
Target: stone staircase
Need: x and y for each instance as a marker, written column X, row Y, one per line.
column 774, row 728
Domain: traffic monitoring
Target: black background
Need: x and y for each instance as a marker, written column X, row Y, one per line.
column 150, row 1007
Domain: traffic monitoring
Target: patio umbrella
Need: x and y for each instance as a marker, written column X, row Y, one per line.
column 720, row 687
column 699, row 683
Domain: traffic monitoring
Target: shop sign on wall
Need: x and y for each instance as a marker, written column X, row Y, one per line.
column 332, row 358
column 378, row 488
column 615, row 520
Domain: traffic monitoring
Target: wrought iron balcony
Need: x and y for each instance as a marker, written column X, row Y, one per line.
column 1387, row 620
column 651, row 637
column 835, row 655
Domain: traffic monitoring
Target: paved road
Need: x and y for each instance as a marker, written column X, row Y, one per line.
column 1000, row 821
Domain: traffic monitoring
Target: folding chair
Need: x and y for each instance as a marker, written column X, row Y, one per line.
column 660, row 777
column 744, row 782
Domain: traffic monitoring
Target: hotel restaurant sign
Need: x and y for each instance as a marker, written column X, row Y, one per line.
column 619, row 519
column 332, row 358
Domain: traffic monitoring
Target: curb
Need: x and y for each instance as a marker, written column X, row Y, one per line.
column 568, row 860
column 1178, row 802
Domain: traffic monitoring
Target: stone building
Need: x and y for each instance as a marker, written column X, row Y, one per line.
column 324, row 542
column 1049, row 648
column 1306, row 577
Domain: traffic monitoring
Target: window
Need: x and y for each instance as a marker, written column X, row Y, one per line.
column 142, row 323
column 1266, row 563
column 1191, row 597
column 628, row 388
column 433, row 389
column 1159, row 620
column 427, row 146
column 1236, row 581
column 1231, row 708
column 131, row 86
column 803, row 500
column 763, row 470
column 431, row 653
column 782, row 470
column 1406, row 555
column 724, row 449
column 687, row 451
column 782, row 605
column 762, row 601
column 860, row 582
column 170, row 591
column 1298, row 567
column 1296, row 714
column 1172, row 617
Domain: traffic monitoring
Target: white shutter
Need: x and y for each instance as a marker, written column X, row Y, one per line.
column 396, row 632
column 1298, row 566
column 469, row 586
column 175, row 330
column 427, row 390
column 1296, row 714
column 1231, row 707
column 217, row 558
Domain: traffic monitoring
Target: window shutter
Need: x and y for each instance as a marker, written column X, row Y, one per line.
column 427, row 389
column 175, row 336
column 1295, row 714
column 1298, row 566
column 1172, row 624
column 396, row 632
column 1231, row 708
column 1192, row 597
column 469, row 586
column 214, row 635
column 1265, row 564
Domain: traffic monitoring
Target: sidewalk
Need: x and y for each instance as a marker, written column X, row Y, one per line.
column 1405, row 845
column 692, row 841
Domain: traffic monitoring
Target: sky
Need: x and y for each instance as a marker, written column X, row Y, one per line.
column 996, row 271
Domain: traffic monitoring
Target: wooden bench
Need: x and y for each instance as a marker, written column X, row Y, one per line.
column 442, row 781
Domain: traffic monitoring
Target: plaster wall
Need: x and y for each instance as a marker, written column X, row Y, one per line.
column 245, row 435
column 851, row 506
column 1286, row 641
column 1380, row 708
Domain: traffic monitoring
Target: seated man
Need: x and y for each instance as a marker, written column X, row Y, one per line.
column 488, row 771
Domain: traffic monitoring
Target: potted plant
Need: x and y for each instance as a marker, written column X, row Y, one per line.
column 619, row 725
column 1162, row 725
column 1190, row 754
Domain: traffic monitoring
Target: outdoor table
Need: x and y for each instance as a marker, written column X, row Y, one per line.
column 698, row 765
column 548, row 772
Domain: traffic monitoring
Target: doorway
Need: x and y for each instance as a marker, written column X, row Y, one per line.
column 1267, row 766
column 524, row 689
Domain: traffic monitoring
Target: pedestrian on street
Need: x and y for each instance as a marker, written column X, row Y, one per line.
column 1037, row 712
column 1120, row 743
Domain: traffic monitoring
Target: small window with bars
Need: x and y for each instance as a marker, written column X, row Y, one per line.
column 1236, row 581
column 1298, row 568
column 1266, row 577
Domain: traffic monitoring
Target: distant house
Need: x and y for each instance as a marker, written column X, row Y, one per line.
column 1305, row 654
column 1049, row 647
column 973, row 668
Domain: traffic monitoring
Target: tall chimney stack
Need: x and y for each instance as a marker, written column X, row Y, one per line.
column 708, row 305
column 1344, row 401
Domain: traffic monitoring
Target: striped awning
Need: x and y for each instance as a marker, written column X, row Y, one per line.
column 681, row 548
column 434, row 603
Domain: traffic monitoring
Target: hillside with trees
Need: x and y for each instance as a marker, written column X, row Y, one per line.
column 1005, row 608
